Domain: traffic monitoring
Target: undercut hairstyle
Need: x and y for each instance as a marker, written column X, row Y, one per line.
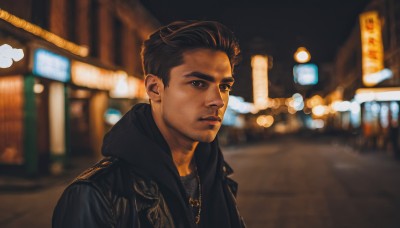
column 164, row 49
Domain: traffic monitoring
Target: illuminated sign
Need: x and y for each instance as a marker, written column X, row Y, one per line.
column 126, row 87
column 136, row 88
column 377, row 94
column 86, row 75
column 50, row 65
column 372, row 47
column 259, row 66
column 121, row 88
column 118, row 83
column 305, row 74
column 375, row 78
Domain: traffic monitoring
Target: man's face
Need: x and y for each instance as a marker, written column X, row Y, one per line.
column 194, row 103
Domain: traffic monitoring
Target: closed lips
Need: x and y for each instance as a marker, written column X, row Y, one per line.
column 212, row 118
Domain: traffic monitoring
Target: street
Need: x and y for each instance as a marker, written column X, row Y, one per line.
column 286, row 182
column 311, row 184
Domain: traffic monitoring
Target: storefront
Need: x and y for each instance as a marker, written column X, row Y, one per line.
column 380, row 117
column 98, row 97
column 33, row 112
column 55, row 100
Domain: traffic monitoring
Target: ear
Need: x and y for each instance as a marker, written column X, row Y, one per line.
column 153, row 86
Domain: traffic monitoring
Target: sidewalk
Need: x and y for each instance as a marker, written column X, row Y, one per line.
column 15, row 184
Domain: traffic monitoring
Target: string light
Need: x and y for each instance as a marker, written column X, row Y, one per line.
column 50, row 37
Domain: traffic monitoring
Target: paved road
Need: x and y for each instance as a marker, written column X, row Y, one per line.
column 31, row 204
column 304, row 183
column 290, row 183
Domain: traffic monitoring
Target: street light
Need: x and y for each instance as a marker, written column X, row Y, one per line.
column 302, row 55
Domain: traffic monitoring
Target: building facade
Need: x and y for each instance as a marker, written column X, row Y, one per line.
column 367, row 68
column 81, row 69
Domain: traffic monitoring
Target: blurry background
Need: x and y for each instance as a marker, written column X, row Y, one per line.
column 312, row 126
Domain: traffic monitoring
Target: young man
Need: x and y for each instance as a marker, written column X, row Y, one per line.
column 163, row 165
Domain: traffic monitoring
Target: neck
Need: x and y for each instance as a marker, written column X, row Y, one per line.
column 183, row 157
column 182, row 148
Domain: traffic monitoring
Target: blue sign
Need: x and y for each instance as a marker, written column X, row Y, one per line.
column 50, row 65
column 305, row 74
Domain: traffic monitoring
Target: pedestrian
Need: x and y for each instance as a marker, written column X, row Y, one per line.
column 163, row 166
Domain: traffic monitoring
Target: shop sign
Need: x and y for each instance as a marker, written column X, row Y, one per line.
column 377, row 94
column 305, row 74
column 86, row 75
column 259, row 66
column 50, row 65
column 372, row 47
column 127, row 87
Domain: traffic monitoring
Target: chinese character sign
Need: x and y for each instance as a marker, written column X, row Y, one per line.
column 372, row 47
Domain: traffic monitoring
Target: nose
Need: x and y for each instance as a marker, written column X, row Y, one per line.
column 215, row 99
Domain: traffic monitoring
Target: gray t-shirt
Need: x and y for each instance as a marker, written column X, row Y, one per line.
column 191, row 185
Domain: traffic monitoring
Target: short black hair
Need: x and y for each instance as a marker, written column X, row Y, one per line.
column 164, row 49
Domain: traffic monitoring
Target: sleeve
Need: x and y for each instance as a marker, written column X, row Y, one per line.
column 82, row 205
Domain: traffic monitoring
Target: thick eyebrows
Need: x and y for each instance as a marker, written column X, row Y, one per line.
column 206, row 77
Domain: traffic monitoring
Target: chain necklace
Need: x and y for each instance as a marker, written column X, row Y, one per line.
column 196, row 203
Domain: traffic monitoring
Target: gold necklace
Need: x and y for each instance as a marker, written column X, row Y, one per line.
column 196, row 203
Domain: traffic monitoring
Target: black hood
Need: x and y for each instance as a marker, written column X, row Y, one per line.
column 137, row 140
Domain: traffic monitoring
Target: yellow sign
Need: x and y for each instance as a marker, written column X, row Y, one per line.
column 372, row 47
column 127, row 87
column 118, row 83
column 86, row 75
column 259, row 64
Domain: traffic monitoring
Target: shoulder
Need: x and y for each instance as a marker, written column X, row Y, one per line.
column 100, row 169
column 110, row 176
column 96, row 198
column 82, row 205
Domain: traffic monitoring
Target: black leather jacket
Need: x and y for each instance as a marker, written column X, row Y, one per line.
column 110, row 194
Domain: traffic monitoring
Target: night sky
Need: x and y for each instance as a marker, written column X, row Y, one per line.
column 275, row 28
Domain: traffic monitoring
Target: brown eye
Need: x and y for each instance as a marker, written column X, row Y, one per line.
column 199, row 84
column 225, row 87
